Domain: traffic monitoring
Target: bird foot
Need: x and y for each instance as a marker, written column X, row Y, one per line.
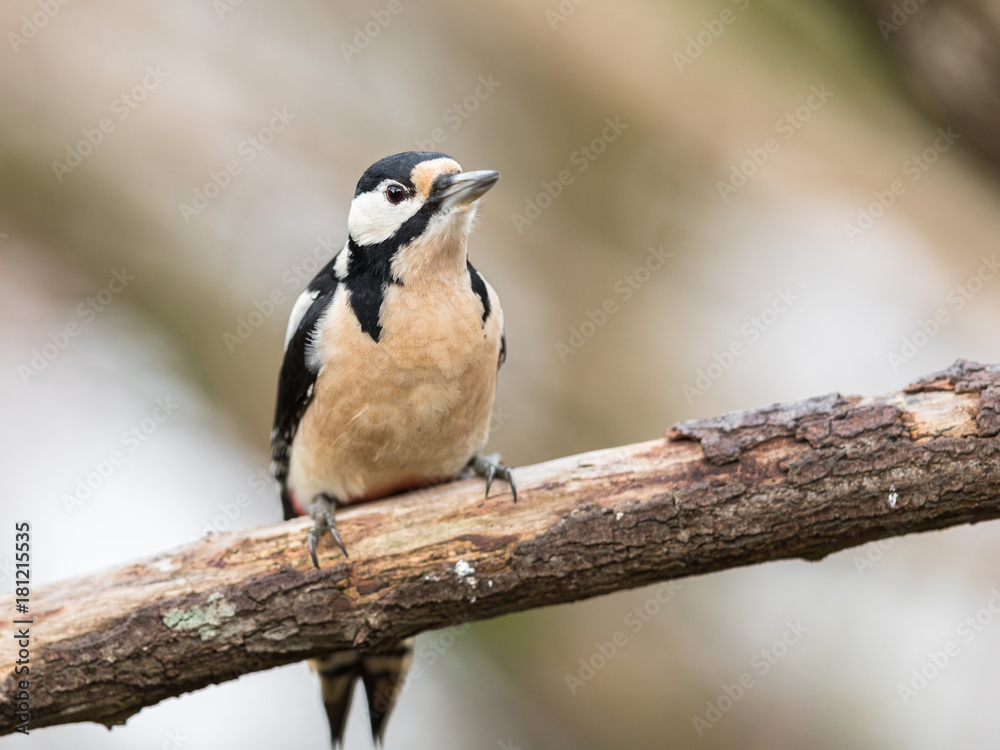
column 490, row 467
column 322, row 511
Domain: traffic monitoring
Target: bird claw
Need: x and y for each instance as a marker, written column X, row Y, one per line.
column 322, row 511
column 490, row 467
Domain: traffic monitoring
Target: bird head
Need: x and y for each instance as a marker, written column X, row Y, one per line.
column 416, row 195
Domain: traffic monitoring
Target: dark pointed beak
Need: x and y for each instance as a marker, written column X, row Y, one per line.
column 465, row 187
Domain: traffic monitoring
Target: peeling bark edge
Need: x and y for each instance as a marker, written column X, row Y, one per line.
column 794, row 480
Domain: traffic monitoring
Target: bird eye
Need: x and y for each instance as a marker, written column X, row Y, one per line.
column 395, row 194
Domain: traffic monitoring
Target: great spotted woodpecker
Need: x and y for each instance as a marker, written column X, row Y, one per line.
column 389, row 375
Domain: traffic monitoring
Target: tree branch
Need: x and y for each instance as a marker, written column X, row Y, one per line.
column 792, row 480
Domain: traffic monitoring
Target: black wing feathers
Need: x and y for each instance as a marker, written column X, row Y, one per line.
column 296, row 381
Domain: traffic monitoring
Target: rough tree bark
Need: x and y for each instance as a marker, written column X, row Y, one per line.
column 792, row 480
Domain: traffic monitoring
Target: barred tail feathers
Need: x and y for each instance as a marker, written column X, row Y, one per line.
column 382, row 675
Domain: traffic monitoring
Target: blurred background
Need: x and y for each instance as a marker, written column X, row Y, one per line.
column 816, row 181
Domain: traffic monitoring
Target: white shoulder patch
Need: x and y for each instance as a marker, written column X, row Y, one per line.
column 342, row 262
column 298, row 310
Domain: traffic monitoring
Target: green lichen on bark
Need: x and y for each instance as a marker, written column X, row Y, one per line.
column 206, row 620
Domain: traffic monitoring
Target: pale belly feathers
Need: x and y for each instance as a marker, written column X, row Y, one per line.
column 409, row 410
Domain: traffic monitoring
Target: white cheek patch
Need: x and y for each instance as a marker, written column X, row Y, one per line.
column 373, row 219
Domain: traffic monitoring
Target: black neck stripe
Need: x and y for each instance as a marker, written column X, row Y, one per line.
column 479, row 287
column 369, row 271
